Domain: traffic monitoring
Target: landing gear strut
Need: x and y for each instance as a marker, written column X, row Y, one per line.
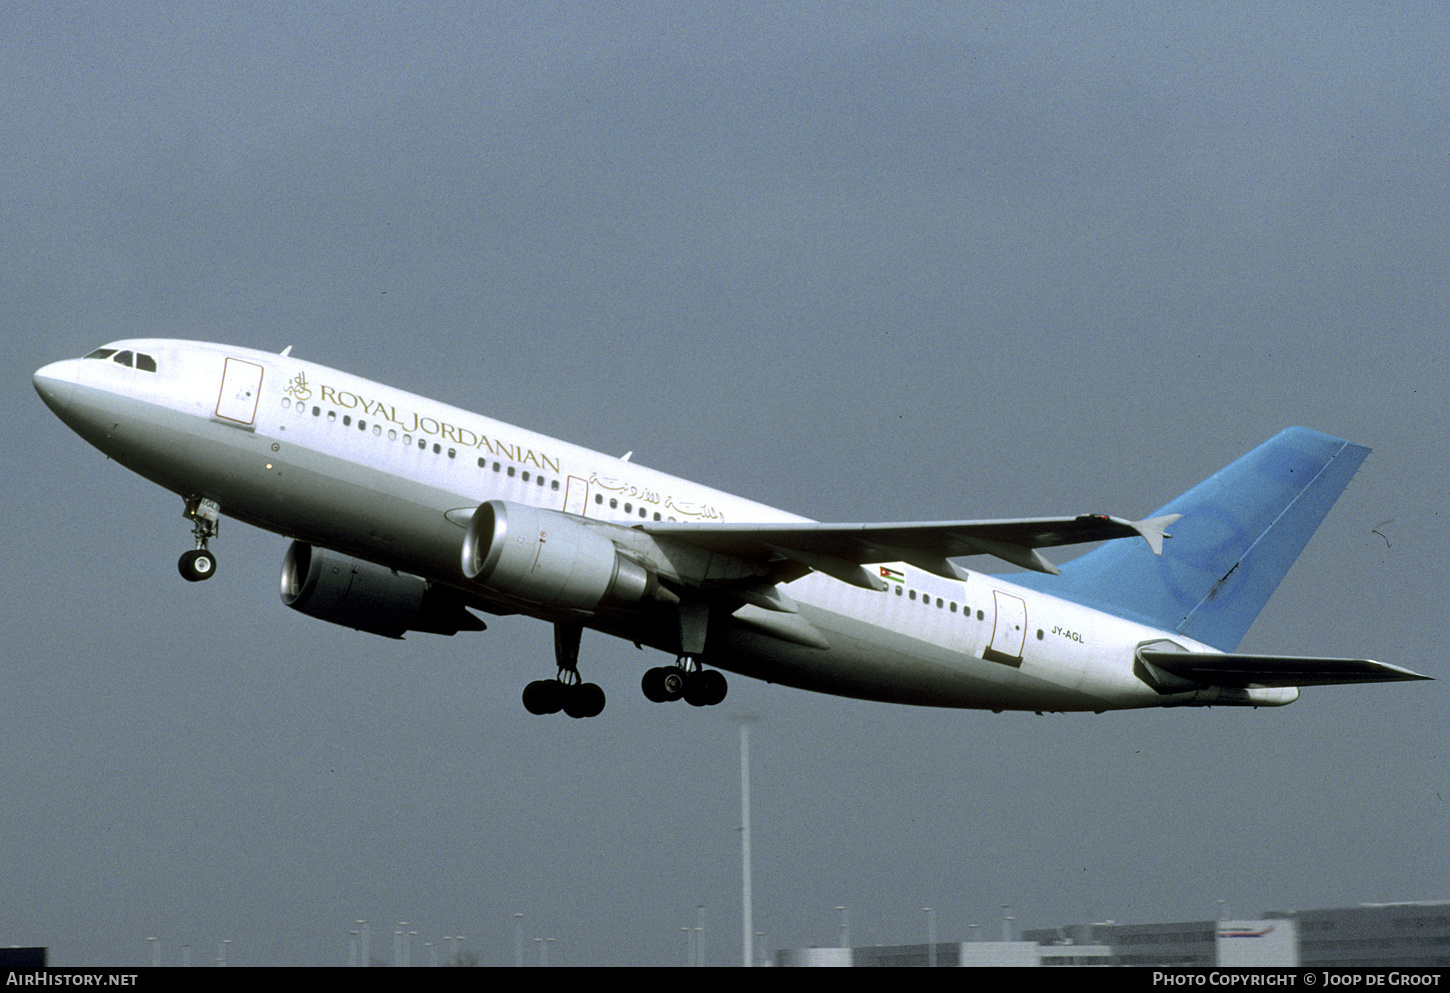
column 200, row 563
column 567, row 691
column 699, row 687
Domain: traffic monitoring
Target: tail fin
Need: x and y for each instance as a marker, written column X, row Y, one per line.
column 1241, row 530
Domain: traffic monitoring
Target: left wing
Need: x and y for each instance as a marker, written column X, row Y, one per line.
column 840, row 550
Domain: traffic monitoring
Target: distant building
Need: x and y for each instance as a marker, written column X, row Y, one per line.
column 1376, row 935
column 1383, row 935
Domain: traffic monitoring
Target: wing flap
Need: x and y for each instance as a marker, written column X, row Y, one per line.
column 1237, row 670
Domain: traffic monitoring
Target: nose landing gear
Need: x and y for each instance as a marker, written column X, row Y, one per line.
column 200, row 563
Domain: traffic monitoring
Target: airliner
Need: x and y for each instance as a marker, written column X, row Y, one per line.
column 409, row 515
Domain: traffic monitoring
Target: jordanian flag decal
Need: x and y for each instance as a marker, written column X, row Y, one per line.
column 892, row 575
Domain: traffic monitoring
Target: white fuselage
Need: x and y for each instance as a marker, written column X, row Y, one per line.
column 393, row 478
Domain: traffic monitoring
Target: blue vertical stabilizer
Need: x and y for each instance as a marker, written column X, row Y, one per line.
column 1240, row 531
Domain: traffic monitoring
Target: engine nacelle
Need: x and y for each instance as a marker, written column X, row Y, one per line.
column 367, row 597
column 551, row 558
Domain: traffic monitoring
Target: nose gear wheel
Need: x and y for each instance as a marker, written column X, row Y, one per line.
column 200, row 563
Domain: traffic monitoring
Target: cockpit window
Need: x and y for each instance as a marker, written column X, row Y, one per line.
column 127, row 358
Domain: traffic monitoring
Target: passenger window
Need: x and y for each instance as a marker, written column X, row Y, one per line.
column 511, row 472
column 526, row 477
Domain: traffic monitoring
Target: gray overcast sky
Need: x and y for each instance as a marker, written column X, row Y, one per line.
column 916, row 262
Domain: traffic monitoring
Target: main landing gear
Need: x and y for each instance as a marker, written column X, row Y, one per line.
column 200, row 563
column 699, row 687
column 567, row 691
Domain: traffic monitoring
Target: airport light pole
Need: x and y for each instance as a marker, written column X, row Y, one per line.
column 747, row 912
column 930, row 936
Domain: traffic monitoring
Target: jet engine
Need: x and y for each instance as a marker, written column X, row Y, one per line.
column 367, row 597
column 552, row 558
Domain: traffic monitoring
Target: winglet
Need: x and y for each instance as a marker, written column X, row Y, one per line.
column 1151, row 528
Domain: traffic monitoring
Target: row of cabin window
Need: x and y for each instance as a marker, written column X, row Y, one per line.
column 362, row 425
column 952, row 606
column 628, row 507
column 453, row 453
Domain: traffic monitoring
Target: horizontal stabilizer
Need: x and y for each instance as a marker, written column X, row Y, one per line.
column 1215, row 669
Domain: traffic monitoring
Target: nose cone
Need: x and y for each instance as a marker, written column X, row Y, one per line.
column 56, row 382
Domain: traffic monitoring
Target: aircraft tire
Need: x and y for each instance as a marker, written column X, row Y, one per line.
column 584, row 700
column 705, row 688
column 196, row 565
column 544, row 696
column 651, row 684
column 713, row 686
column 672, row 683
